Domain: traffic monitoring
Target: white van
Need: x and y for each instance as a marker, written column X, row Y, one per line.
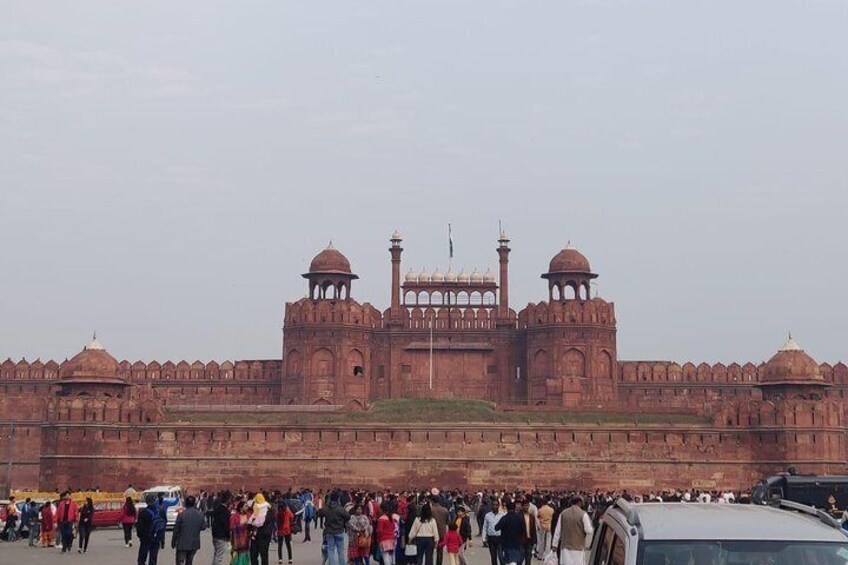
column 173, row 498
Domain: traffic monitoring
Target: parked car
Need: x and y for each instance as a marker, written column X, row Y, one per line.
column 107, row 513
column 173, row 498
column 718, row 534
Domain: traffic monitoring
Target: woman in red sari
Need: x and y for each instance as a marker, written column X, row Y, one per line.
column 48, row 526
column 239, row 537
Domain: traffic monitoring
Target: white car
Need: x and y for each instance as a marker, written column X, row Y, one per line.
column 173, row 498
column 718, row 534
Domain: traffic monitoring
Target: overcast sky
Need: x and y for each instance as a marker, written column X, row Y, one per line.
column 168, row 169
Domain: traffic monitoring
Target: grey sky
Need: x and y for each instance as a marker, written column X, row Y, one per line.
column 168, row 169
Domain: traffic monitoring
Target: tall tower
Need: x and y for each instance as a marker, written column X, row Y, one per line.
column 503, row 257
column 396, row 251
column 327, row 338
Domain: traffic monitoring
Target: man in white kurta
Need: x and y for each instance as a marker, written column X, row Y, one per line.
column 573, row 533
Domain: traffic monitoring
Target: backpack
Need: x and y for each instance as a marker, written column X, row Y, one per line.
column 160, row 522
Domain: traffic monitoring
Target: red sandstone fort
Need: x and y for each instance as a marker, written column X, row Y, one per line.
column 93, row 420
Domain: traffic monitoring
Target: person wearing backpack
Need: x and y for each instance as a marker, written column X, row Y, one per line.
column 148, row 545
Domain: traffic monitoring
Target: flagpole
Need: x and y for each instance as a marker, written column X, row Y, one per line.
column 431, row 353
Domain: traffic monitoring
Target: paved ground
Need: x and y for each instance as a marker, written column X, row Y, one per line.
column 107, row 548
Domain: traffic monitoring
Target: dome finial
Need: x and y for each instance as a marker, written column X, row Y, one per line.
column 791, row 344
column 94, row 345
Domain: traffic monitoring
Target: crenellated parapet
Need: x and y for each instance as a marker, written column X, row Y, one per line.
column 107, row 410
column 593, row 312
column 308, row 312
column 674, row 373
column 23, row 370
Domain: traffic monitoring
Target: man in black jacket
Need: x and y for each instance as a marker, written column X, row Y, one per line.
column 335, row 521
column 512, row 531
column 221, row 529
column 186, row 537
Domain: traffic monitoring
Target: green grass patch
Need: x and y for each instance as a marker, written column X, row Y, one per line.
column 400, row 411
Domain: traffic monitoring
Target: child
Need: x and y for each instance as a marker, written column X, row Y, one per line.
column 453, row 541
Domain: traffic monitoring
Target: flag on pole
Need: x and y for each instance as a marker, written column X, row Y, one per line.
column 450, row 242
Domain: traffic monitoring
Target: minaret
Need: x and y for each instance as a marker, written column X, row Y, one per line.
column 503, row 254
column 396, row 251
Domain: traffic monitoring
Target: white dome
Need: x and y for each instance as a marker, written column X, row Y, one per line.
column 424, row 276
column 396, row 236
column 450, row 276
column 476, row 277
column 462, row 276
column 438, row 275
column 489, row 276
column 410, row 276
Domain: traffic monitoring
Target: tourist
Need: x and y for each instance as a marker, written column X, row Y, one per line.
column 67, row 514
column 34, row 525
column 573, row 533
column 239, row 537
column 86, row 523
column 410, row 551
column 319, row 505
column 453, row 542
column 543, row 523
column 440, row 516
column 145, row 529
column 463, row 525
column 528, row 537
column 48, row 525
column 11, row 519
column 491, row 536
column 285, row 518
column 386, row 532
column 308, row 511
column 425, row 534
column 511, row 526
column 263, row 524
column 335, row 521
column 186, row 536
column 160, row 521
column 128, row 518
column 358, row 537
column 482, row 507
column 220, row 525
column 23, row 524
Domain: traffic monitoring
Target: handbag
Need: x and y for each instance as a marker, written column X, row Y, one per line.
column 363, row 541
column 411, row 550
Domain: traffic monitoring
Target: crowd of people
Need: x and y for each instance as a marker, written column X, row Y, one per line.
column 50, row 524
column 358, row 527
column 399, row 527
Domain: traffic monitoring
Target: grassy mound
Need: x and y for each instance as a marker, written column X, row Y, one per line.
column 399, row 411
